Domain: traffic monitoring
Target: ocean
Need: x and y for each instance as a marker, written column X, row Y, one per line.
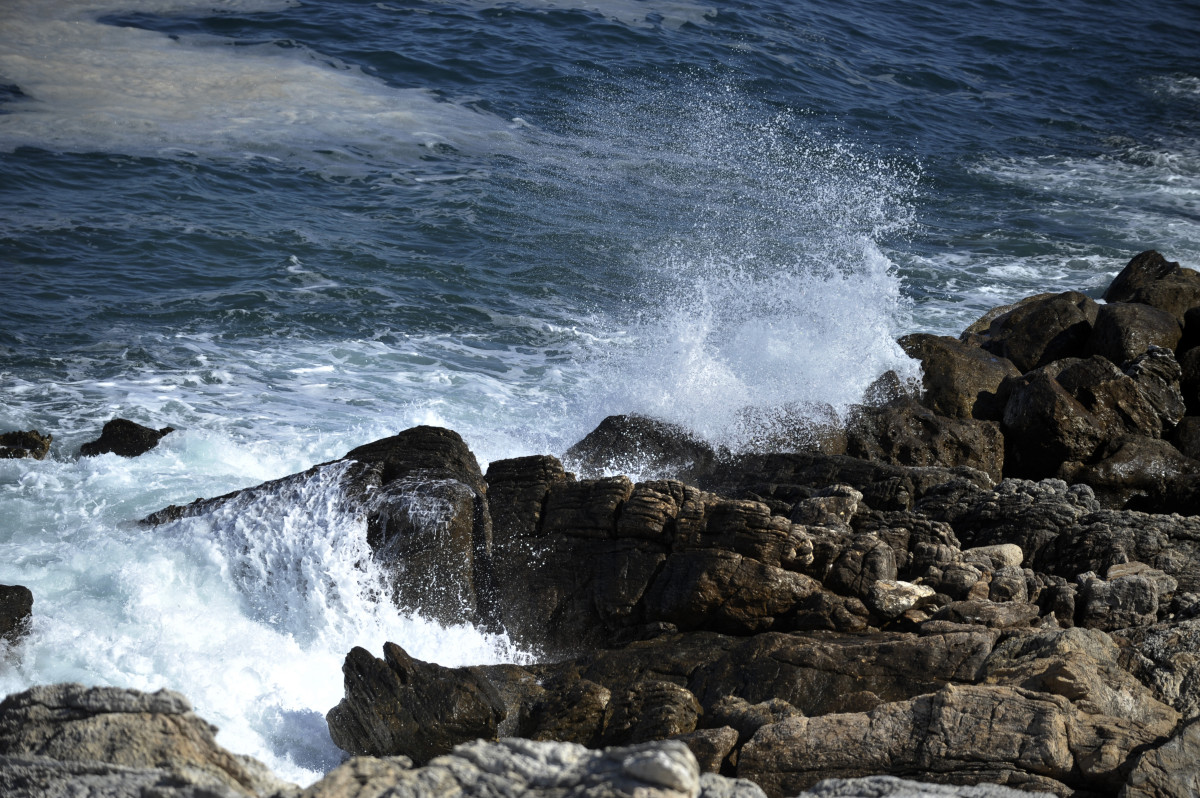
column 289, row 228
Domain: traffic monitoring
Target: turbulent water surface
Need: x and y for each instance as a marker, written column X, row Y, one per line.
column 288, row 228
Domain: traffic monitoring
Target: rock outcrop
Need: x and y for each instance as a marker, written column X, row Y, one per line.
column 16, row 611
column 33, row 444
column 125, row 438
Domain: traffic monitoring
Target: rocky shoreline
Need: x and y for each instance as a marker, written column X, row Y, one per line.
column 988, row 581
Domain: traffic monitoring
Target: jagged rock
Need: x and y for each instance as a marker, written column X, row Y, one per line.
column 1166, row 658
column 15, row 445
column 651, row 709
column 1151, row 279
column 999, row 555
column 792, row 477
column 1044, row 426
column 1114, row 397
column 1158, row 376
column 865, row 561
column 834, row 505
column 1124, row 331
column 892, row 787
column 1042, row 329
column 403, row 706
column 1186, row 435
column 960, row 380
column 994, row 615
column 966, row 734
column 428, row 522
column 148, row 738
column 1189, row 378
column 904, row 432
column 1133, row 467
column 1083, row 666
column 1170, row 771
column 515, row 767
column 16, row 611
column 640, row 445
column 745, row 718
column 711, row 747
column 42, row 777
column 125, row 438
column 889, row 598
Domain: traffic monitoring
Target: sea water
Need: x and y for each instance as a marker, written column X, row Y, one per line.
column 289, row 228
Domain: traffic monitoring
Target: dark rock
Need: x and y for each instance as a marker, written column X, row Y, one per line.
column 1125, row 330
column 1158, row 375
column 651, row 709
column 1186, row 436
column 640, row 445
column 1006, row 615
column 1045, row 426
column 1040, row 330
column 572, row 709
column 1132, row 467
column 403, row 706
column 428, row 522
column 960, row 380
column 861, row 564
column 893, row 787
column 15, row 445
column 149, row 738
column 906, row 433
column 746, row 718
column 16, row 611
column 1115, row 399
column 1151, row 279
column 125, row 438
column 1189, row 379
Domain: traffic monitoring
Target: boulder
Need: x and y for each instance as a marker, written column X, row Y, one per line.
column 1189, row 378
column 1125, row 330
column 1166, row 658
column 1133, row 468
column 125, row 438
column 1042, row 329
column 892, row 787
column 16, row 611
column 147, row 738
column 15, row 445
column 1186, row 435
column 711, row 747
column 1045, row 426
column 1151, row 279
column 1158, row 376
column 400, row 705
column 904, row 432
column 960, row 380
column 633, row 444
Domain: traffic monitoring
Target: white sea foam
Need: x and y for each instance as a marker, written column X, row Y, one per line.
column 248, row 611
column 94, row 87
column 634, row 13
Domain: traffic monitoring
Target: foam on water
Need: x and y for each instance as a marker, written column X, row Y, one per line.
column 95, row 87
column 635, row 13
column 248, row 611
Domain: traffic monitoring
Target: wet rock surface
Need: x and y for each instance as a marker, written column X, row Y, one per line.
column 992, row 585
column 125, row 438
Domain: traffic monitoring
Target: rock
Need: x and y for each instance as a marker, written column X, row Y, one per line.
column 651, row 709
column 1186, row 435
column 125, row 438
column 1045, row 426
column 711, row 747
column 890, row 598
column 428, row 523
column 403, row 706
column 892, row 787
column 640, row 445
column 1189, row 378
column 960, row 381
column 42, row 777
column 1129, row 600
column 861, row 564
column 1123, row 331
column 1083, row 666
column 1115, row 399
column 1042, row 329
column 1170, row 771
column 511, row 767
column 834, row 506
column 999, row 555
column 15, row 445
column 1133, row 467
column 1158, row 376
column 1166, row 658
column 904, row 432
column 960, row 734
column 745, row 718
column 1151, row 279
column 149, row 738
column 16, row 611
column 1006, row 615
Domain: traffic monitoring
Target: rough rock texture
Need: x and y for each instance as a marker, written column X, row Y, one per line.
column 16, row 610
column 515, row 767
column 403, row 706
column 892, row 787
column 1151, row 279
column 111, row 736
column 125, row 438
column 1124, row 331
column 640, row 445
column 1042, row 329
column 14, row 445
column 960, row 381
column 1169, row 771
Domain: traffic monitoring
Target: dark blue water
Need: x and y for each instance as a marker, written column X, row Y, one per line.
column 288, row 228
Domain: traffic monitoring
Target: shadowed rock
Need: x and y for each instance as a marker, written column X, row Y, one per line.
column 33, row 444
column 16, row 611
column 125, row 438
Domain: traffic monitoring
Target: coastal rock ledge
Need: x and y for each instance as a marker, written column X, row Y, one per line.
column 988, row 584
